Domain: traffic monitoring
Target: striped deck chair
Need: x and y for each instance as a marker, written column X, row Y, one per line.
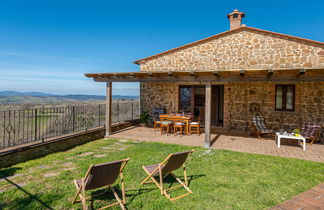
column 98, row 176
column 259, row 126
column 311, row 131
column 166, row 167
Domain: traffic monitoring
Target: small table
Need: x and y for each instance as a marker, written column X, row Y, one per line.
column 290, row 136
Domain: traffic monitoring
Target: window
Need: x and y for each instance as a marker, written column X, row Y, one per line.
column 185, row 98
column 285, row 97
column 235, row 16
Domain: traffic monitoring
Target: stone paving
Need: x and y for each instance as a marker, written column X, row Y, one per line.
column 310, row 199
column 234, row 141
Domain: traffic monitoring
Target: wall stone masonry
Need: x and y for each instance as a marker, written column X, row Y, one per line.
column 159, row 94
column 243, row 49
column 309, row 102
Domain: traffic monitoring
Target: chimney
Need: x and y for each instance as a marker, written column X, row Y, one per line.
column 235, row 19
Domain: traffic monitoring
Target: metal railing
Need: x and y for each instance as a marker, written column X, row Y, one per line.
column 25, row 126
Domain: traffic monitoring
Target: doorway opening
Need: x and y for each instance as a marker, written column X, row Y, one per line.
column 192, row 99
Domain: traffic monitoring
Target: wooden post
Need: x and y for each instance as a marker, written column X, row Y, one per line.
column 208, row 114
column 108, row 108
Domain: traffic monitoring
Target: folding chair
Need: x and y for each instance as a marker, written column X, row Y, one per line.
column 101, row 175
column 171, row 163
column 311, row 131
column 259, row 126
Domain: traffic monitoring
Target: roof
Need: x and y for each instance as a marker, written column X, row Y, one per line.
column 243, row 28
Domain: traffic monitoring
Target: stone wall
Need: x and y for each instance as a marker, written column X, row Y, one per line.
column 309, row 104
column 240, row 50
column 159, row 95
column 24, row 153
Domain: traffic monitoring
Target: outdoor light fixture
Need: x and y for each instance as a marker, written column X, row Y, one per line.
column 302, row 71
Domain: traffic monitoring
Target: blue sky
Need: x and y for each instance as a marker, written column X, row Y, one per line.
column 47, row 46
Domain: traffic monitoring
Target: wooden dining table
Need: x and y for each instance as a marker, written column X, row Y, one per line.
column 172, row 117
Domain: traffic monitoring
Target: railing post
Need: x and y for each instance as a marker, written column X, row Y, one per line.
column 35, row 126
column 99, row 115
column 132, row 104
column 118, row 112
column 73, row 118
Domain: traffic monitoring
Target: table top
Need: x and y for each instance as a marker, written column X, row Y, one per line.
column 175, row 116
column 289, row 136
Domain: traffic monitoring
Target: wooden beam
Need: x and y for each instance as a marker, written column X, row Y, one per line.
column 203, row 79
column 108, row 108
column 208, row 113
column 220, row 76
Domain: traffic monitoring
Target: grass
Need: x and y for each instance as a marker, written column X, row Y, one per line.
column 220, row 179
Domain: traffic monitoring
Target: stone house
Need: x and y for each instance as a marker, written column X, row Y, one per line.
column 225, row 78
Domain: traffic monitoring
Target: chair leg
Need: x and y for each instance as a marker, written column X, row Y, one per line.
column 161, row 180
column 185, row 175
column 258, row 134
column 77, row 194
column 84, row 203
column 118, row 199
column 313, row 139
column 123, row 187
column 168, row 130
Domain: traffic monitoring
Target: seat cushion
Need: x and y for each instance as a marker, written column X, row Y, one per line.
column 193, row 123
column 179, row 123
column 166, row 122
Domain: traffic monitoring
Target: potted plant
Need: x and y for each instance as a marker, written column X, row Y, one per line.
column 296, row 132
column 144, row 118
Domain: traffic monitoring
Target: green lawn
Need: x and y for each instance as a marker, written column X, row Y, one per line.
column 219, row 179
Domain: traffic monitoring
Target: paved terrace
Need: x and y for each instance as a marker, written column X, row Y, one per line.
column 234, row 141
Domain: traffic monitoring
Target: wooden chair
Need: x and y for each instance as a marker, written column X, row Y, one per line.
column 166, row 125
column 101, row 175
column 259, row 127
column 156, row 122
column 166, row 167
column 194, row 127
column 311, row 131
column 178, row 125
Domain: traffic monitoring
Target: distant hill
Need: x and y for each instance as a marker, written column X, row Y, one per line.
column 14, row 97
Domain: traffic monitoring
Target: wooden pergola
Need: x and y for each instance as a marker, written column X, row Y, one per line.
column 207, row 78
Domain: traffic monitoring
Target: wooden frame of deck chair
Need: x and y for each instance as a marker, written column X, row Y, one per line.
column 167, row 166
column 98, row 176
